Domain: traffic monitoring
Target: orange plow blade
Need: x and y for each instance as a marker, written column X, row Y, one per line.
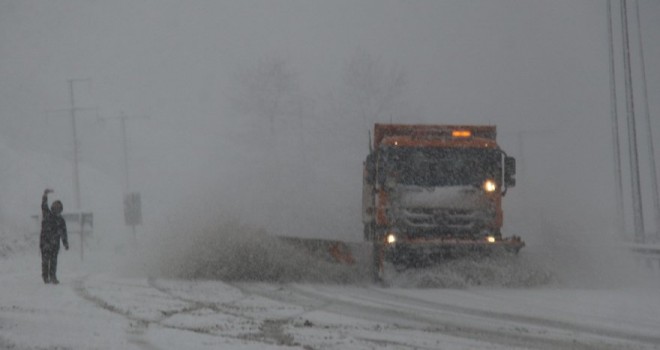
column 330, row 250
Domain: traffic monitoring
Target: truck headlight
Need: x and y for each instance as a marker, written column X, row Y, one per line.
column 391, row 238
column 490, row 186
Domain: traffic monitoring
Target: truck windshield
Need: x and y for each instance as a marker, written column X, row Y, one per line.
column 441, row 167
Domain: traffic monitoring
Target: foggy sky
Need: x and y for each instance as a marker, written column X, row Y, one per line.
column 536, row 69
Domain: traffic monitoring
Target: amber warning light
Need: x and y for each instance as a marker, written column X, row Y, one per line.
column 461, row 133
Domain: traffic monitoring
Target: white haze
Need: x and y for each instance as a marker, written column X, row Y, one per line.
column 209, row 157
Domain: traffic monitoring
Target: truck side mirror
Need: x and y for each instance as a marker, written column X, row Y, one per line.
column 509, row 171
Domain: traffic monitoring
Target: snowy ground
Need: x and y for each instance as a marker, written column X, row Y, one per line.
column 101, row 306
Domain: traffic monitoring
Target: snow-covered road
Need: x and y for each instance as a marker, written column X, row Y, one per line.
column 94, row 309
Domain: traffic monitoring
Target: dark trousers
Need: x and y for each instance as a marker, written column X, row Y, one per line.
column 49, row 263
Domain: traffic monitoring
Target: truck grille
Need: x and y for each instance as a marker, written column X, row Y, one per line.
column 450, row 219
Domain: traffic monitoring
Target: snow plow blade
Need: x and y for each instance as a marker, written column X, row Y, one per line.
column 329, row 250
column 402, row 254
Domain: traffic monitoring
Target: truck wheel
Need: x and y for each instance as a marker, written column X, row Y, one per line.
column 378, row 262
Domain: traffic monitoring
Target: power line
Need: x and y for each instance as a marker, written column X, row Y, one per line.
column 615, row 127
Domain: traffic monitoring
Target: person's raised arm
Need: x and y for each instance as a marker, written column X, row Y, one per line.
column 44, row 200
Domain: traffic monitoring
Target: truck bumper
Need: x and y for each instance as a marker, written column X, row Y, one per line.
column 422, row 252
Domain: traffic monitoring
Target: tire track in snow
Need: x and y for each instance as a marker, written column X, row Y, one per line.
column 521, row 319
column 224, row 307
column 139, row 325
column 312, row 304
column 136, row 334
column 273, row 328
column 270, row 330
column 473, row 324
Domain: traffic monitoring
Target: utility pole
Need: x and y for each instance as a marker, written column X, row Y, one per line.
column 620, row 221
column 72, row 110
column 649, row 130
column 76, row 176
column 638, row 216
column 76, row 153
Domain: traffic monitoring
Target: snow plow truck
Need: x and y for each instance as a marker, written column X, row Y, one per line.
column 431, row 192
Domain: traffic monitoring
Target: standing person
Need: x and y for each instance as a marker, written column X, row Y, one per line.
column 53, row 228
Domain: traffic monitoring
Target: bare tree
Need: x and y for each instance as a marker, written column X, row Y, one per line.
column 268, row 91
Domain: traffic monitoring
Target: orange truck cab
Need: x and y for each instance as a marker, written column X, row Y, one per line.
column 432, row 190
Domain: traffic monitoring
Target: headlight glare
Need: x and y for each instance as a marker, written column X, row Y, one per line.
column 391, row 238
column 490, row 186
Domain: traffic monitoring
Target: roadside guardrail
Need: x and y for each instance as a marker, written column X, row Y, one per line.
column 648, row 254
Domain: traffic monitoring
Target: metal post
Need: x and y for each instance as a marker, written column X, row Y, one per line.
column 638, row 215
column 82, row 237
column 649, row 131
column 76, row 177
column 122, row 121
column 76, row 153
column 620, row 220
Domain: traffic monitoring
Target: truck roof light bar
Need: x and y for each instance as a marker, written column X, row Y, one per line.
column 461, row 133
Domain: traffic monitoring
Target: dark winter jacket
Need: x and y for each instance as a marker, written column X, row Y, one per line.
column 53, row 228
